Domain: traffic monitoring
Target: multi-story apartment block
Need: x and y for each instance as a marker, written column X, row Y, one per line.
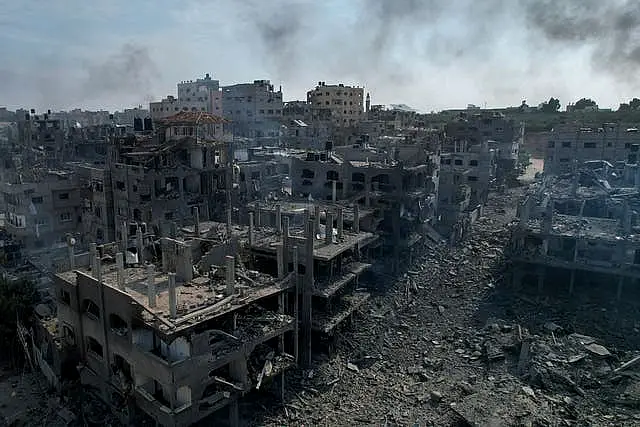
column 346, row 103
column 465, row 178
column 159, row 181
column 254, row 109
column 577, row 232
column 571, row 145
column 400, row 184
column 193, row 95
column 502, row 134
column 157, row 342
column 42, row 213
column 98, row 219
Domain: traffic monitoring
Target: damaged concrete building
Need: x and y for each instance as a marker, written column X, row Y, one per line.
column 466, row 175
column 154, row 340
column 572, row 144
column 162, row 179
column 400, row 185
column 503, row 135
column 577, row 230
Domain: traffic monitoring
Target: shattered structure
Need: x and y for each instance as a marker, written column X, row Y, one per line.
column 578, row 229
column 157, row 181
column 573, row 144
column 180, row 346
column 400, row 185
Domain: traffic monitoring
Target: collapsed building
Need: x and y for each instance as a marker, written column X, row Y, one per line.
column 466, row 176
column 195, row 322
column 570, row 145
column 158, row 181
column 578, row 229
column 503, row 135
column 400, row 185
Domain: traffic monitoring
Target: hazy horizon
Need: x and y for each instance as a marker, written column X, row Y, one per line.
column 428, row 54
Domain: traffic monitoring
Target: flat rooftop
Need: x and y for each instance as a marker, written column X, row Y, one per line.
column 583, row 227
column 197, row 300
column 300, row 207
column 267, row 239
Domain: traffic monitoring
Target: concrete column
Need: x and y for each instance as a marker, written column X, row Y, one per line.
column 334, row 190
column 572, row 281
column 367, row 191
column 184, row 262
column 328, row 229
column 548, row 217
column 525, row 210
column 229, row 263
column 541, row 274
column 286, row 259
column 279, row 219
column 296, row 309
column 125, row 237
column 307, row 296
column 173, row 302
column 251, row 227
column 620, row 285
column 626, row 219
column 229, row 222
column 93, row 254
column 196, row 219
column 340, row 224
column 151, row 286
column 316, row 219
column 280, row 259
column 356, row 218
column 164, row 250
column 120, row 270
column 98, row 270
column 234, row 414
column 173, row 230
column 258, row 217
column 71, row 254
column 139, row 245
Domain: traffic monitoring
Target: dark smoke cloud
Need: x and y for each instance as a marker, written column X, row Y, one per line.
column 611, row 28
column 129, row 71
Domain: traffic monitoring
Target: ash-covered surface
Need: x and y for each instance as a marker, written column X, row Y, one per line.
column 451, row 343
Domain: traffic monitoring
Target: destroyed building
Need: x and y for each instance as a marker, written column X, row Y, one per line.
column 401, row 185
column 502, row 134
column 41, row 212
column 254, row 109
column 160, row 179
column 572, row 144
column 577, row 230
column 346, row 103
column 466, row 175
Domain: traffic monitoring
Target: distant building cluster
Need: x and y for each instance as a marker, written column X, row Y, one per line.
column 197, row 250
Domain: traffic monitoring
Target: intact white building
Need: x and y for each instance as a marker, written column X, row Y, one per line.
column 193, row 95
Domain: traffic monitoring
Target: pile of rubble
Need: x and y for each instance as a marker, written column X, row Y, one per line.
column 431, row 351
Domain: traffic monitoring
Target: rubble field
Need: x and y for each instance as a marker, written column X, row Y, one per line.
column 451, row 343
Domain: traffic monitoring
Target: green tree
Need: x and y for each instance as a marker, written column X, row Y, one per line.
column 552, row 106
column 584, row 103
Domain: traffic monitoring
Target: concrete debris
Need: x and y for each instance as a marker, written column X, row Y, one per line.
column 493, row 371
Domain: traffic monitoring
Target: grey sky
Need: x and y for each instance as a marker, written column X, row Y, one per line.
column 430, row 54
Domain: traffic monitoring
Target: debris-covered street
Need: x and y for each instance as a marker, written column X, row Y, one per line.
column 451, row 343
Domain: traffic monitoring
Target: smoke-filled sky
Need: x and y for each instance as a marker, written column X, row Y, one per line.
column 430, row 54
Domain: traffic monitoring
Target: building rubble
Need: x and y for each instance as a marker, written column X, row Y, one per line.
column 451, row 343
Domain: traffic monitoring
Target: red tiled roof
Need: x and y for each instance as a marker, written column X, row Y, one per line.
column 194, row 117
